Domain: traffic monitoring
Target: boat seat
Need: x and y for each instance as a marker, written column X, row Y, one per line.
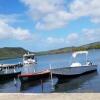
column 89, row 63
column 76, row 64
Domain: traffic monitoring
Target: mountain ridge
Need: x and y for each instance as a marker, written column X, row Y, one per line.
column 95, row 45
column 14, row 52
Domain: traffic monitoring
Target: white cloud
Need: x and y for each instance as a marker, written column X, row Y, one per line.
column 5, row 30
column 11, row 18
column 69, row 40
column 52, row 14
column 91, row 35
column 81, row 8
column 72, row 37
column 48, row 14
column 54, row 20
column 53, row 40
column 9, row 32
column 21, row 34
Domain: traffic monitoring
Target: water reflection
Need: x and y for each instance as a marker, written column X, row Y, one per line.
column 82, row 83
column 38, row 86
column 69, row 85
column 65, row 85
column 25, row 86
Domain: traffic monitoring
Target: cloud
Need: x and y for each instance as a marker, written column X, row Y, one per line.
column 21, row 34
column 81, row 8
column 52, row 14
column 9, row 32
column 48, row 14
column 72, row 39
column 11, row 18
column 53, row 40
column 91, row 35
column 54, row 20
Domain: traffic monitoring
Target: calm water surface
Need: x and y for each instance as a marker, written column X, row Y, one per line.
column 85, row 83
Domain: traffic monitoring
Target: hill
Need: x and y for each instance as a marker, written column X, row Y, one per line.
column 95, row 45
column 14, row 52
column 11, row 52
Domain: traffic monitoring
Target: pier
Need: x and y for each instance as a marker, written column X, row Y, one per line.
column 54, row 96
column 4, row 66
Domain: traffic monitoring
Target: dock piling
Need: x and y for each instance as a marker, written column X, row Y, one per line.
column 15, row 82
column 6, row 70
column 41, row 85
column 51, row 78
column 14, row 70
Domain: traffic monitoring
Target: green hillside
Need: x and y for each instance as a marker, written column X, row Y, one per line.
column 95, row 45
column 11, row 52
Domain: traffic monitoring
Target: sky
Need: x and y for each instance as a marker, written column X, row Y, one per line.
column 40, row 25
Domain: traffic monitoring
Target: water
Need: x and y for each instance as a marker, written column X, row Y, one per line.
column 85, row 83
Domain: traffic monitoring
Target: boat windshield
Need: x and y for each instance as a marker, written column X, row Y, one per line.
column 28, row 57
column 79, row 52
column 74, row 55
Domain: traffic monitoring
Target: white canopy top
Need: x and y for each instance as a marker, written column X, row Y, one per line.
column 26, row 55
column 79, row 52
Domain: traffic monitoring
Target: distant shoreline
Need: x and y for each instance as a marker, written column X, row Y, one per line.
column 17, row 52
column 9, row 58
column 51, row 53
column 6, row 58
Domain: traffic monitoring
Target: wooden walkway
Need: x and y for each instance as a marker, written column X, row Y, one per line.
column 50, row 96
column 10, row 65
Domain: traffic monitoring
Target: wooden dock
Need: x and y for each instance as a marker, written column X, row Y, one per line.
column 4, row 66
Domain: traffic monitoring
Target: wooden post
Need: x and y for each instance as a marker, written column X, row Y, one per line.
column 6, row 70
column 42, row 85
column 51, row 78
column 14, row 70
column 14, row 81
column 86, row 58
column 34, row 69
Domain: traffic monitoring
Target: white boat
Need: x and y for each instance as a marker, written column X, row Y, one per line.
column 29, row 58
column 76, row 68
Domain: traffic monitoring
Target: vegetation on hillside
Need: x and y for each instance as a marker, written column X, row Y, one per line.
column 95, row 45
column 13, row 52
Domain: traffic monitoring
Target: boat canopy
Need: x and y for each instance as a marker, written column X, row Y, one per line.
column 79, row 52
column 27, row 55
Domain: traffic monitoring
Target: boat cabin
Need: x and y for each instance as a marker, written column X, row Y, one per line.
column 29, row 58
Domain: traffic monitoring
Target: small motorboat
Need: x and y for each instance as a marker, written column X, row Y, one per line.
column 29, row 59
column 75, row 69
column 34, row 76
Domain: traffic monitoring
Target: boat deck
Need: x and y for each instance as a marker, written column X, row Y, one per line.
column 4, row 66
column 72, row 71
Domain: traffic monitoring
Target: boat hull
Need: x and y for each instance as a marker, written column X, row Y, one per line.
column 6, row 76
column 72, row 72
column 34, row 76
